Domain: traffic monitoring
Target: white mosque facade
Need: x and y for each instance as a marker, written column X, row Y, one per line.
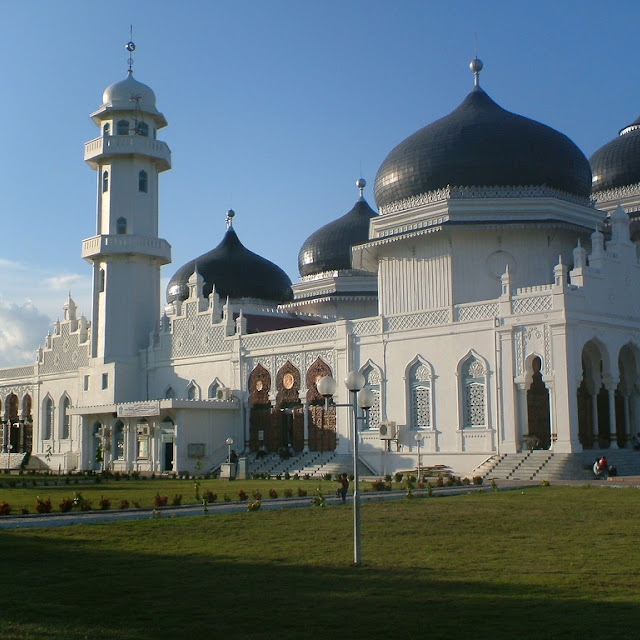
column 490, row 305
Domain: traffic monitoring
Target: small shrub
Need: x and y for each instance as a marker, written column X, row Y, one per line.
column 242, row 495
column 429, row 489
column 328, row 477
column 439, row 481
column 209, row 496
column 104, row 503
column 306, row 476
column 545, row 483
column 302, row 492
column 176, row 501
column 477, row 480
column 254, row 506
column 227, row 498
column 43, row 506
column 397, row 477
column 388, row 478
column 66, row 505
column 466, row 481
column 318, row 500
column 379, row 485
column 288, row 493
column 278, row 476
column 273, row 493
column 124, row 504
column 450, row 481
column 136, row 505
column 296, row 476
column 494, row 486
column 287, row 475
column 5, row 509
column 257, row 495
column 160, row 501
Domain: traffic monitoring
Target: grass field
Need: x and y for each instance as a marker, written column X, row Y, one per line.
column 547, row 562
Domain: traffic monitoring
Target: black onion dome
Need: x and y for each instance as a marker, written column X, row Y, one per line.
column 482, row 144
column 235, row 271
column 617, row 163
column 329, row 248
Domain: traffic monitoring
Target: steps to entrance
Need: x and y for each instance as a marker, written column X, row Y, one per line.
column 315, row 464
column 547, row 465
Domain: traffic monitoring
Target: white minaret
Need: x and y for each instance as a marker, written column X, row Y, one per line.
column 126, row 252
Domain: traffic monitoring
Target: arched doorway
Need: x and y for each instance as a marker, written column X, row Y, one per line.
column 322, row 423
column 538, row 417
column 626, row 396
column 259, row 385
column 291, row 419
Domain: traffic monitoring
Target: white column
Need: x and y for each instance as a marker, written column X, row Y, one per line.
column 305, row 408
column 613, row 438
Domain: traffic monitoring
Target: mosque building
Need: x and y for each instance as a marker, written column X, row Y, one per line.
column 488, row 302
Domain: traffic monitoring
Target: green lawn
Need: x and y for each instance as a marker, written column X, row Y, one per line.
column 547, row 562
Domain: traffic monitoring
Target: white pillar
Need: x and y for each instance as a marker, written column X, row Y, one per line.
column 613, row 437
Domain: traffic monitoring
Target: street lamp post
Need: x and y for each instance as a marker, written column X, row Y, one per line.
column 418, row 439
column 229, row 442
column 363, row 398
column 9, row 448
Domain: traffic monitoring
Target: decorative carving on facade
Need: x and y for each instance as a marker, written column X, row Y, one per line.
column 259, row 386
column 532, row 304
column 288, row 385
column 317, row 370
column 463, row 193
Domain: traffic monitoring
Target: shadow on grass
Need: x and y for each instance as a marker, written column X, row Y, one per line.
column 66, row 589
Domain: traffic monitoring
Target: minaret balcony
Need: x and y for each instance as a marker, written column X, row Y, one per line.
column 105, row 147
column 124, row 244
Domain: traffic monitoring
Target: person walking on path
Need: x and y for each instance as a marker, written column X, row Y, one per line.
column 344, row 487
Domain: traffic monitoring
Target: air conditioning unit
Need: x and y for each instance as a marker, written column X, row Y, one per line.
column 143, row 430
column 224, row 393
column 388, row 430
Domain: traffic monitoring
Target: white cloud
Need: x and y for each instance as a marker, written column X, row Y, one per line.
column 31, row 299
column 22, row 329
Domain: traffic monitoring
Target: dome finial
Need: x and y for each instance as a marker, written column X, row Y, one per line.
column 130, row 47
column 361, row 183
column 229, row 220
column 476, row 66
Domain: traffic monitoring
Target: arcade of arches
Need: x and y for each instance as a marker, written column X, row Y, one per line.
column 16, row 427
column 279, row 420
column 607, row 399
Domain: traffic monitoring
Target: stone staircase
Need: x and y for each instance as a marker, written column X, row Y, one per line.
column 11, row 461
column 547, row 465
column 315, row 464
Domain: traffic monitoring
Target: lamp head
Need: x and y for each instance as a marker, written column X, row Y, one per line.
column 366, row 399
column 326, row 386
column 354, row 381
column 229, row 441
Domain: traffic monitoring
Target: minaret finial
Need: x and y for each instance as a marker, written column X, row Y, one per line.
column 476, row 66
column 229, row 219
column 130, row 47
column 361, row 183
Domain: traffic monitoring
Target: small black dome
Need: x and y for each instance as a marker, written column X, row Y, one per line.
column 329, row 248
column 617, row 163
column 235, row 271
column 482, row 144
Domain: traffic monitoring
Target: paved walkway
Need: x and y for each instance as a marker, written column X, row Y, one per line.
column 90, row 517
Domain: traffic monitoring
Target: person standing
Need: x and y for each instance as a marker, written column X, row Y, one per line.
column 344, row 487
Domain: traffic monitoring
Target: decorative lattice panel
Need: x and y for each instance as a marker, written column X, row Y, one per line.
column 474, row 406
column 18, row 372
column 290, row 336
column 418, row 320
column 421, row 407
column 476, row 312
column 196, row 336
column 533, row 304
column 65, row 353
column 365, row 327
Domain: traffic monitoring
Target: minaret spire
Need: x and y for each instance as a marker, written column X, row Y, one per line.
column 476, row 66
column 361, row 183
column 130, row 47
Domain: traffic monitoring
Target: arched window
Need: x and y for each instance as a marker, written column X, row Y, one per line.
column 192, row 391
column 48, row 419
column 121, row 226
column 474, row 411
column 419, row 381
column 123, row 127
column 143, row 129
column 66, row 419
column 118, row 435
column 372, row 381
column 106, row 129
column 105, row 181
column 143, row 181
column 213, row 390
column 169, row 393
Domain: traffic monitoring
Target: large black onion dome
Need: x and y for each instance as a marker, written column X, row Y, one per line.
column 235, row 271
column 329, row 248
column 617, row 163
column 482, row 144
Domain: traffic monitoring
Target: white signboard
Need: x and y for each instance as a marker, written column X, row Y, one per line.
column 139, row 409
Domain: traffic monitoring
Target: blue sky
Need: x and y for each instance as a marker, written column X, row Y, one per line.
column 274, row 109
